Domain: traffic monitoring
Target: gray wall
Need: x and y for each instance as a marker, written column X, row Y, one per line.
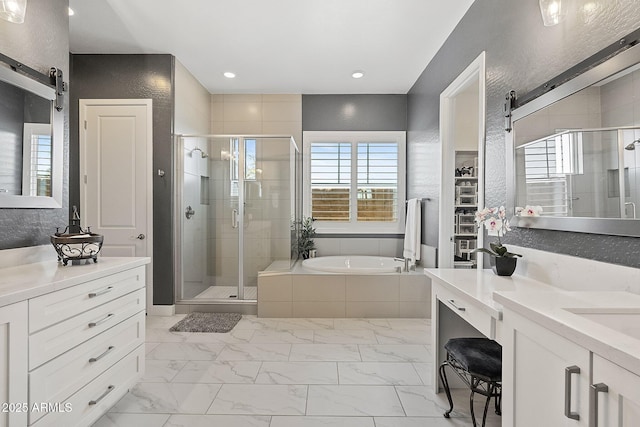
column 354, row 112
column 41, row 42
column 135, row 77
column 521, row 54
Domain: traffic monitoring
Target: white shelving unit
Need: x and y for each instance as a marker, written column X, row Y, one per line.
column 465, row 234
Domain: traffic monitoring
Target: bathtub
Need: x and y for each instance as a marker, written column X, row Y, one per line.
column 353, row 264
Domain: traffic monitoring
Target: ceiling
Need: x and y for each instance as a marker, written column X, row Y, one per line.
column 276, row 46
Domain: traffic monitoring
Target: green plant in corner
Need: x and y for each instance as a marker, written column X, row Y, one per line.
column 496, row 222
column 305, row 237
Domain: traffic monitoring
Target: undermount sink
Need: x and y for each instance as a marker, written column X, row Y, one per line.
column 623, row 320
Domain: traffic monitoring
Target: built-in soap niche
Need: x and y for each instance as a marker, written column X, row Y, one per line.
column 204, row 190
column 613, row 183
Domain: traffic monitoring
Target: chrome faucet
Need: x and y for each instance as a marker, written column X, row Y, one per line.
column 406, row 262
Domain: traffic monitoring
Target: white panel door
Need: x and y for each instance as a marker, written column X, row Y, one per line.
column 115, row 167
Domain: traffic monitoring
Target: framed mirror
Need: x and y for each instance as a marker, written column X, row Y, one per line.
column 575, row 152
column 31, row 146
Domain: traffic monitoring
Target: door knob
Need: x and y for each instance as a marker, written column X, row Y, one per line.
column 141, row 236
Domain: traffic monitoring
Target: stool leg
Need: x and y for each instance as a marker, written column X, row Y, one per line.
column 445, row 384
column 491, row 390
column 498, row 402
column 473, row 414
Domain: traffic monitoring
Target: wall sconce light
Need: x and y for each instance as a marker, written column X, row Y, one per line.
column 13, row 10
column 553, row 12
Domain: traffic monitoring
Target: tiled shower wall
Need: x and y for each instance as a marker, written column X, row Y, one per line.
column 257, row 115
column 192, row 116
column 268, row 199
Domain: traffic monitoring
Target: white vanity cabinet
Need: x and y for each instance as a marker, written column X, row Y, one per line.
column 549, row 380
column 71, row 340
column 13, row 364
column 545, row 377
column 614, row 395
column 86, row 347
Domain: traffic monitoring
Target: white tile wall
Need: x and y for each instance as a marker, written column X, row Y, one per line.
column 359, row 246
column 257, row 114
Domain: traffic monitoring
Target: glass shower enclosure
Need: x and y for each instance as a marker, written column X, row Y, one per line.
column 236, row 212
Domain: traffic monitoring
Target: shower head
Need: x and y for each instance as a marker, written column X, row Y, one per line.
column 632, row 146
column 202, row 153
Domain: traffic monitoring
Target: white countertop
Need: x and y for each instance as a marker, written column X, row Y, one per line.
column 611, row 344
column 478, row 286
column 31, row 280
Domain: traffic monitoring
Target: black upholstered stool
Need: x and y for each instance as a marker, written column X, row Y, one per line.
column 478, row 362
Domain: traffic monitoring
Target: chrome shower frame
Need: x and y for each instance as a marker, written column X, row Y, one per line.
column 239, row 304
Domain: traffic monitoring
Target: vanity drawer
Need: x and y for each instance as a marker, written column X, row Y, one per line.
column 49, row 309
column 464, row 308
column 95, row 399
column 51, row 342
column 61, row 377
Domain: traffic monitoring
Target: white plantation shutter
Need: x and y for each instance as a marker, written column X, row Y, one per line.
column 331, row 181
column 377, row 181
column 354, row 182
column 545, row 186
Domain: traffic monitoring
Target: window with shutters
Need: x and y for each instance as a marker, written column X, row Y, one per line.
column 37, row 158
column 549, row 165
column 355, row 181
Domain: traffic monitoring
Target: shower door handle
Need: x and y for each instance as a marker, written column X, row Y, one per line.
column 234, row 218
column 189, row 212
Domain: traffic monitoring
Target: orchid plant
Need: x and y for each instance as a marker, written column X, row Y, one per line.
column 496, row 222
column 529, row 211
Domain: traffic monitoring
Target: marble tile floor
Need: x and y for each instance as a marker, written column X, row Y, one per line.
column 290, row 373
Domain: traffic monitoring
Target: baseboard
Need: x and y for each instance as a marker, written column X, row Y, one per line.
column 161, row 310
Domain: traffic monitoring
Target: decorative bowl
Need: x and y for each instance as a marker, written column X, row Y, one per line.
column 77, row 246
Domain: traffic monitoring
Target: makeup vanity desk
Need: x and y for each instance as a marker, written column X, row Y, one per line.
column 462, row 304
column 574, row 353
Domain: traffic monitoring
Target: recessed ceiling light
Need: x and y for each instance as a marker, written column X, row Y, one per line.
column 357, row 74
column 229, row 75
column 71, row 12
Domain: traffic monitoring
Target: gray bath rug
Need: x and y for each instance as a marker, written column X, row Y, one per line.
column 207, row 322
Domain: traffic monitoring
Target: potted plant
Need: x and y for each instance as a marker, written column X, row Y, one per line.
column 305, row 237
column 503, row 262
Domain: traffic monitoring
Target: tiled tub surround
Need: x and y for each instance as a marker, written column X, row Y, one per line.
column 303, row 372
column 307, row 293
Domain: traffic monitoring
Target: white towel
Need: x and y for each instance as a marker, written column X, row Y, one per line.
column 412, row 231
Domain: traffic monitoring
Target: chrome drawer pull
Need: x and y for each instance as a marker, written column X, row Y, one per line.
column 593, row 402
column 453, row 303
column 102, row 292
column 98, row 322
column 109, row 390
column 568, row 371
column 107, row 351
